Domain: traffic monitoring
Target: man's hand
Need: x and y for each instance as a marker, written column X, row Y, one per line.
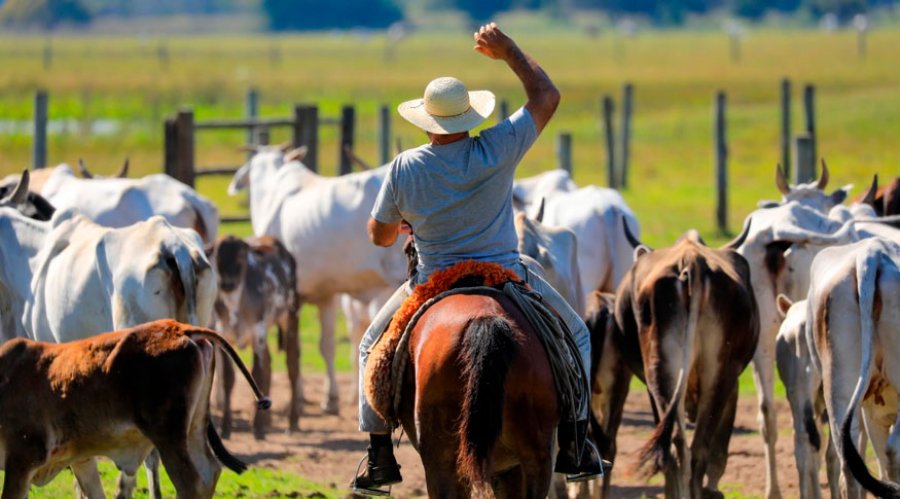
column 492, row 42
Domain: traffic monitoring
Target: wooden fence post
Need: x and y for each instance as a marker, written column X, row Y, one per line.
column 625, row 153
column 786, row 127
column 252, row 111
column 184, row 146
column 805, row 168
column 348, row 118
column 306, row 133
column 261, row 136
column 721, row 153
column 170, row 150
column 809, row 105
column 39, row 150
column 503, row 112
column 564, row 151
column 47, row 55
column 611, row 176
column 384, row 139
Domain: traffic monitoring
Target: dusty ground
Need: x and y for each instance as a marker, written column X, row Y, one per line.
column 328, row 448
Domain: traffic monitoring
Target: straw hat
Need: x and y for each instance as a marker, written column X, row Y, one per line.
column 448, row 107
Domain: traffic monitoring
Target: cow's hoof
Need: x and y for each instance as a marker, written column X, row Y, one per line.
column 330, row 406
column 712, row 494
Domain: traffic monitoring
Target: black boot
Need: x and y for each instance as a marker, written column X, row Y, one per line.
column 583, row 465
column 382, row 471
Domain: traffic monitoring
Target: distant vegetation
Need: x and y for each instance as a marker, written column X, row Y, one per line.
column 306, row 15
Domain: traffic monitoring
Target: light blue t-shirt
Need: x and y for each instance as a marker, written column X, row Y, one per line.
column 458, row 197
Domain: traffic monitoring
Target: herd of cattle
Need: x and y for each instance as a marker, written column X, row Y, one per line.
column 810, row 284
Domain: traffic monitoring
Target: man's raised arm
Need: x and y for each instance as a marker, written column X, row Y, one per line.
column 543, row 97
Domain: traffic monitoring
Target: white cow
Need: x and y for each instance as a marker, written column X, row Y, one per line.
column 853, row 313
column 119, row 202
column 803, row 385
column 555, row 251
column 68, row 278
column 529, row 191
column 321, row 221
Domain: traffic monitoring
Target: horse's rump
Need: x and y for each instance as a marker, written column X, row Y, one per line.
column 380, row 376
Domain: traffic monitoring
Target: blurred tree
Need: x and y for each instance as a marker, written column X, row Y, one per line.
column 44, row 14
column 328, row 14
column 844, row 9
column 481, row 10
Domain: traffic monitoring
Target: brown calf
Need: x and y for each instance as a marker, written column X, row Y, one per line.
column 257, row 289
column 692, row 311
column 117, row 395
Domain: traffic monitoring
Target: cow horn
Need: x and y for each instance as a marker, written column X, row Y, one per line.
column 869, row 196
column 780, row 181
column 123, row 172
column 249, row 148
column 286, row 146
column 739, row 240
column 539, row 217
column 633, row 241
column 20, row 193
column 355, row 159
column 823, row 180
column 296, row 154
column 83, row 169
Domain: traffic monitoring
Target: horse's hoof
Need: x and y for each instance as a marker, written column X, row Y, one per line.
column 330, row 406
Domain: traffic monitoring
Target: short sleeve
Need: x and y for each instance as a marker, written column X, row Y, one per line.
column 507, row 142
column 385, row 209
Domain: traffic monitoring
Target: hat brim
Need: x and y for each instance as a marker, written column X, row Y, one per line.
column 481, row 105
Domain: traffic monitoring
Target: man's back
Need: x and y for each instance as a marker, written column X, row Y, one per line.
column 458, row 196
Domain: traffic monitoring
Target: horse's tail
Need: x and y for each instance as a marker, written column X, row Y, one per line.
column 489, row 346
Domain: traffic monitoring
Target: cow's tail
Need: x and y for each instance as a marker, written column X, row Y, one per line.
column 262, row 401
column 222, row 454
column 489, row 346
column 654, row 456
column 207, row 223
column 866, row 277
column 184, row 267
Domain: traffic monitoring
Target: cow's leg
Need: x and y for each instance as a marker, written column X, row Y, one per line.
column 289, row 326
column 764, row 378
column 87, row 479
column 832, row 467
column 355, row 314
column 151, row 463
column 327, row 317
column 262, row 373
column 225, row 386
column 893, row 450
column 718, row 447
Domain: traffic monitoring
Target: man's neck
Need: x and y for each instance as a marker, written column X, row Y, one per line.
column 444, row 139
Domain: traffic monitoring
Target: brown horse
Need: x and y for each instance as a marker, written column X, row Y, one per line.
column 479, row 402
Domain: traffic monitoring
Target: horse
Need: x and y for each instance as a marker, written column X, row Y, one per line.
column 478, row 401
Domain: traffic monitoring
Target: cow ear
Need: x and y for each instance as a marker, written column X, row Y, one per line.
column 838, row 196
column 296, row 154
column 783, row 305
column 641, row 250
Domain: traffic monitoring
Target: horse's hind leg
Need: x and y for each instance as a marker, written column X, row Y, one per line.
column 523, row 482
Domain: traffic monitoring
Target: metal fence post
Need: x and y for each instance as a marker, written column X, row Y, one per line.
column 611, row 177
column 348, row 118
column 564, row 151
column 384, row 139
column 39, row 151
column 721, row 154
column 625, row 153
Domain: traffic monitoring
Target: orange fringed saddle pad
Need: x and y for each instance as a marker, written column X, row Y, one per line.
column 379, row 384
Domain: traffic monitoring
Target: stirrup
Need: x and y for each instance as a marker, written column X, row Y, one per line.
column 368, row 491
column 606, row 467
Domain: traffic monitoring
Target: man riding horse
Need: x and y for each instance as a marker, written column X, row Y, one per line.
column 455, row 195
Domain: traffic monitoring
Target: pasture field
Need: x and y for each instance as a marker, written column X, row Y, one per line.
column 118, row 82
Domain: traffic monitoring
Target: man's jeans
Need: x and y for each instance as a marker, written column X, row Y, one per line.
column 370, row 422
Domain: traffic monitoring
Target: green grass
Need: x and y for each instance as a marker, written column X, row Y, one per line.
column 255, row 482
